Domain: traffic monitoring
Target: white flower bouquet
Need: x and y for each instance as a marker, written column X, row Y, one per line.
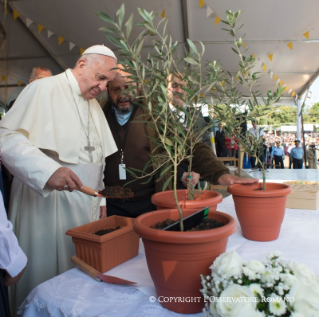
column 238, row 288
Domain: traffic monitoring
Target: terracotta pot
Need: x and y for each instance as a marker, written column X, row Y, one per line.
column 176, row 259
column 166, row 200
column 107, row 251
column 260, row 212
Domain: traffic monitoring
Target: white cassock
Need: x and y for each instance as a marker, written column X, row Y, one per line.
column 47, row 128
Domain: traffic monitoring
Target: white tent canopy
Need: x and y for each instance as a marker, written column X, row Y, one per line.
column 272, row 28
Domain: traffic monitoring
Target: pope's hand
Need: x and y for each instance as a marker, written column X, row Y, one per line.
column 228, row 179
column 64, row 179
column 102, row 212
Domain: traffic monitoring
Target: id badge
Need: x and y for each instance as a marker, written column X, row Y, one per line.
column 122, row 171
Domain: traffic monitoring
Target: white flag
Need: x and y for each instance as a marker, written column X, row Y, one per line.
column 296, row 97
column 289, row 91
column 49, row 34
column 278, row 81
column 209, row 12
column 28, row 22
column 271, row 74
column 71, row 45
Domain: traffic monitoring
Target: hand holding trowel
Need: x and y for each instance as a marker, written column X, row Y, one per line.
column 115, row 192
column 96, row 274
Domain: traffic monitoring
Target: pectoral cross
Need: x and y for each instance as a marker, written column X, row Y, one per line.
column 90, row 149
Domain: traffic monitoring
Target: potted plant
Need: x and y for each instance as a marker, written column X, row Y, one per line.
column 273, row 287
column 260, row 207
column 103, row 250
column 171, row 256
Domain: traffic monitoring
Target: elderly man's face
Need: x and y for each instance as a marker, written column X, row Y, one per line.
column 175, row 90
column 121, row 101
column 95, row 75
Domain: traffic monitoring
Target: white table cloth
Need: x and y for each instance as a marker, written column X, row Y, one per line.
column 73, row 293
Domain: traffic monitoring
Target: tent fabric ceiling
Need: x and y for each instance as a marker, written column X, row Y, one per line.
column 269, row 26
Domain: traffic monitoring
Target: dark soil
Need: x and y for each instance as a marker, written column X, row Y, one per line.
column 102, row 232
column 206, row 224
column 117, row 192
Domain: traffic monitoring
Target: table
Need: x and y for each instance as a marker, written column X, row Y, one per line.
column 73, row 293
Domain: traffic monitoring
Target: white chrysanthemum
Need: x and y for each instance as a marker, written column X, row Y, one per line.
column 274, row 254
column 256, row 266
column 268, row 276
column 256, row 289
column 277, row 306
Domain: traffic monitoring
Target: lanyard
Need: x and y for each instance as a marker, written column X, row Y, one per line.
column 121, row 142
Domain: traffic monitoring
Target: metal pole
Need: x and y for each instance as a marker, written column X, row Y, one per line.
column 298, row 134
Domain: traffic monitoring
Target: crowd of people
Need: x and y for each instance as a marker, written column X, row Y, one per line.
column 275, row 148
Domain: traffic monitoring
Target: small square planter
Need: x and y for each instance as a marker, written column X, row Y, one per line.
column 107, row 251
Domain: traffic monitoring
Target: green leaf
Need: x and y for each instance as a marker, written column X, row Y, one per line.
column 146, row 182
column 120, row 13
column 139, row 47
column 142, row 14
column 114, row 40
column 108, row 29
column 129, row 25
column 168, row 141
column 235, row 51
column 167, row 182
column 192, row 46
column 164, row 170
column 105, row 17
column 190, row 60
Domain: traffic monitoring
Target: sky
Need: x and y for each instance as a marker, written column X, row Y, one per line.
column 314, row 88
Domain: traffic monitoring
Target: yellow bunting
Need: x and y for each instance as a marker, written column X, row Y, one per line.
column 163, row 14
column 293, row 93
column 270, row 56
column 286, row 88
column 217, row 20
column 254, row 55
column 201, row 3
column 82, row 51
column 40, row 28
column 275, row 77
column 264, row 67
column 19, row 83
column 61, row 40
column 15, row 14
column 290, row 45
column 306, row 35
column 281, row 82
column 3, row 77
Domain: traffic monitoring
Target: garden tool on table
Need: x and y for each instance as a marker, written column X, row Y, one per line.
column 96, row 275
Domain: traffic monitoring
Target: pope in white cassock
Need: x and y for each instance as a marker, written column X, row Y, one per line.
column 54, row 138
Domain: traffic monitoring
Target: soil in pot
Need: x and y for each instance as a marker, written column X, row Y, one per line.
column 206, row 224
column 117, row 192
column 102, row 232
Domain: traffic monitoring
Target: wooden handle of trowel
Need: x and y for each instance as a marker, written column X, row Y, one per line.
column 88, row 269
column 88, row 191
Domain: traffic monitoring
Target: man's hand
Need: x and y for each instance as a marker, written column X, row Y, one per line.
column 102, row 212
column 63, row 177
column 9, row 281
column 228, row 179
column 194, row 180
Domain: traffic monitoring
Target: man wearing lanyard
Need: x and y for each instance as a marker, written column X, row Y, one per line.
column 296, row 156
column 134, row 139
column 279, row 155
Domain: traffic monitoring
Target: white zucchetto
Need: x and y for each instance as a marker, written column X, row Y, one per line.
column 99, row 49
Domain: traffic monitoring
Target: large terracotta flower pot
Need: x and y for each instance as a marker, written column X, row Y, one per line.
column 166, row 200
column 260, row 212
column 176, row 259
column 107, row 251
